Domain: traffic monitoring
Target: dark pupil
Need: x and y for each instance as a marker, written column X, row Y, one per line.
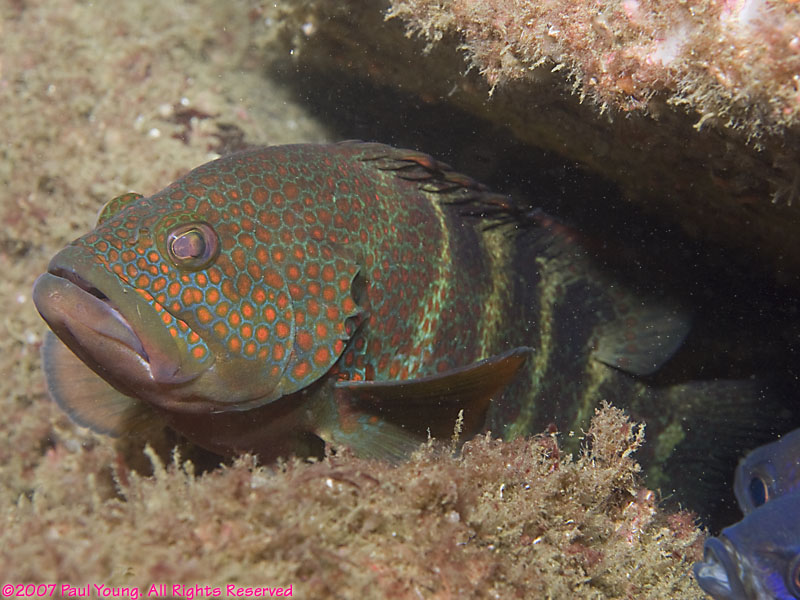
column 189, row 245
column 758, row 491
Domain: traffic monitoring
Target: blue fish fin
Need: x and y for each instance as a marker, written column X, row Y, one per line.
column 375, row 418
column 640, row 340
column 87, row 398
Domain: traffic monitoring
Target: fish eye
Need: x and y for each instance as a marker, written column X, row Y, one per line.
column 758, row 490
column 192, row 245
column 793, row 576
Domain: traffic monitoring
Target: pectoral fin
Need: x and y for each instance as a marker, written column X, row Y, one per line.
column 390, row 418
column 87, row 398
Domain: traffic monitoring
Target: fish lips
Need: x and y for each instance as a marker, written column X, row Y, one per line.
column 718, row 573
column 108, row 324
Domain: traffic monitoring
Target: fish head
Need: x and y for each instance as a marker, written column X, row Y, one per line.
column 768, row 472
column 758, row 558
column 201, row 298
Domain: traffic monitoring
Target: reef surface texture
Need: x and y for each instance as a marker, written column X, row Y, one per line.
column 736, row 62
column 502, row 520
column 691, row 108
column 95, row 102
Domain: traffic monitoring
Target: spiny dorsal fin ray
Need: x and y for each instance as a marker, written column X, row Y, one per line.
column 473, row 199
column 433, row 176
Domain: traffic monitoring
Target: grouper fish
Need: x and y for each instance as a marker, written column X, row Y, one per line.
column 353, row 294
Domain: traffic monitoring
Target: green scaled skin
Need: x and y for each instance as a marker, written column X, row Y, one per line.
column 341, row 292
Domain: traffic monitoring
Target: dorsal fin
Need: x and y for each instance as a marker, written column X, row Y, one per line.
column 88, row 399
column 431, row 175
column 470, row 197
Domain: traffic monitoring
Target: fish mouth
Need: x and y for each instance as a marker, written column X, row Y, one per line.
column 108, row 324
column 718, row 573
column 99, row 313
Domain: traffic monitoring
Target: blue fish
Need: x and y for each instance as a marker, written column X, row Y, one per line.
column 768, row 472
column 757, row 558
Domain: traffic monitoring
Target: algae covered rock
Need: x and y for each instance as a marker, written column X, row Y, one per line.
column 500, row 519
column 690, row 108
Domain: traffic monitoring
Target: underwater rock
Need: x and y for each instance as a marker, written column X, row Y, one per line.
column 517, row 519
column 690, row 109
column 734, row 63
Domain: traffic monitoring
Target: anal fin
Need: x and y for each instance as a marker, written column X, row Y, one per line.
column 88, row 399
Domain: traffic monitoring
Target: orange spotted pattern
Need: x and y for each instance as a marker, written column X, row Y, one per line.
column 320, row 264
column 288, row 269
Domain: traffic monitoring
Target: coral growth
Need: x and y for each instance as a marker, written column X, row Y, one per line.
column 503, row 519
column 732, row 61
